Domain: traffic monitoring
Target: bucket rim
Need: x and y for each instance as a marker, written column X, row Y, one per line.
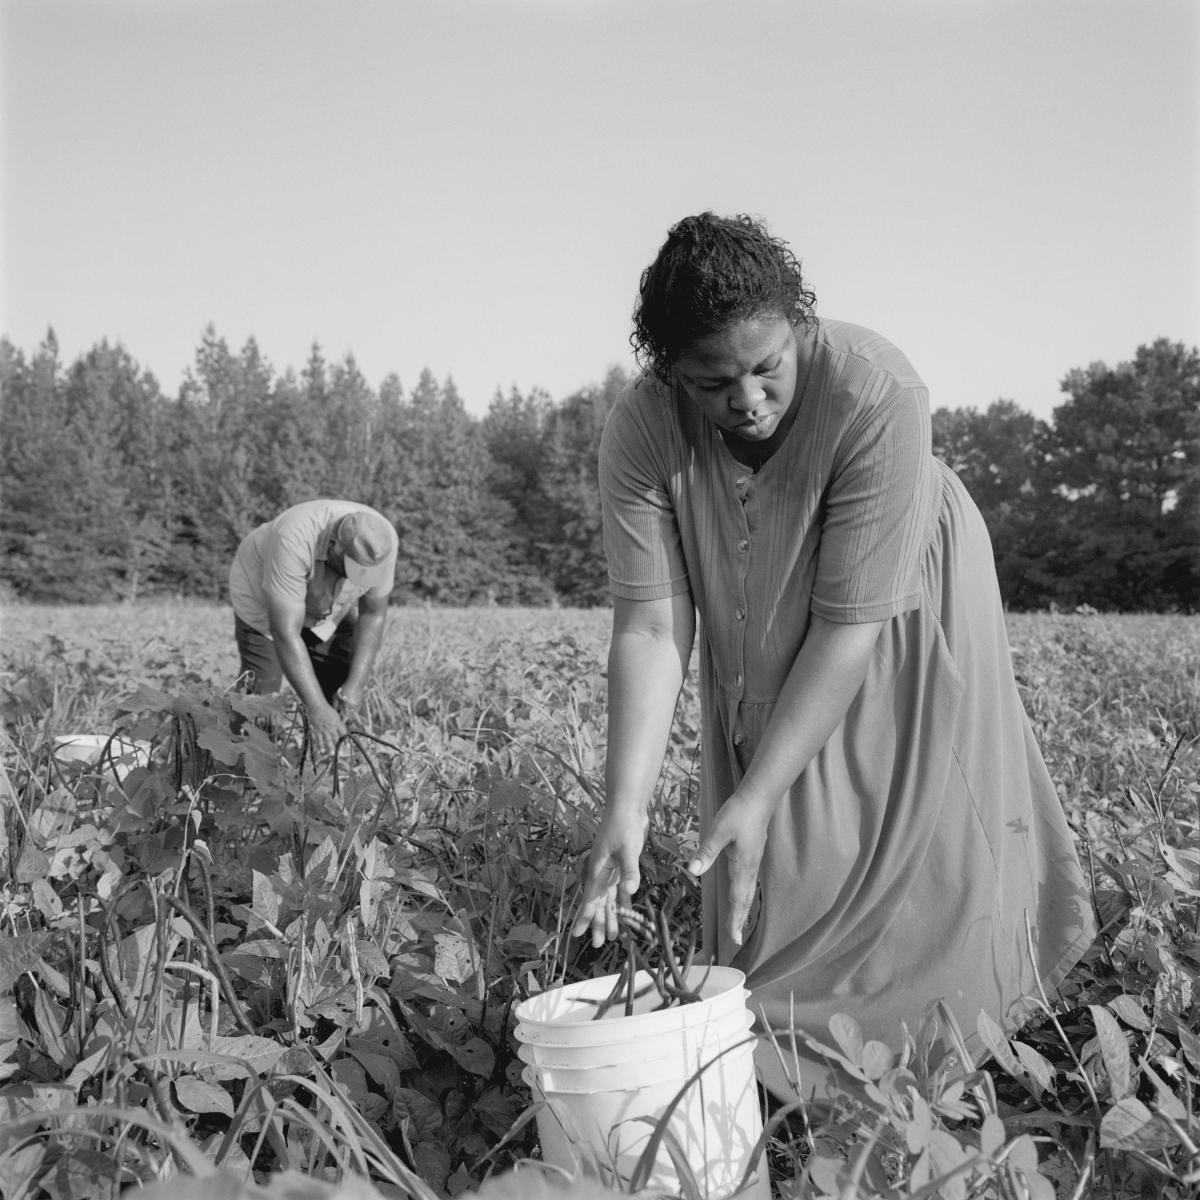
column 624, row 1039
column 590, row 991
column 528, row 1052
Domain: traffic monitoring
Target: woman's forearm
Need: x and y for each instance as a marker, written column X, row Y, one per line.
column 822, row 683
column 647, row 661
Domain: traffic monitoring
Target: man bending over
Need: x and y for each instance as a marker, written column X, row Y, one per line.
column 310, row 593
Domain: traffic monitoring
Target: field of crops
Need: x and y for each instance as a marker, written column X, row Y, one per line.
column 282, row 980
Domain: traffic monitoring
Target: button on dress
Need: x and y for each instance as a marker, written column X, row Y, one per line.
column 901, row 866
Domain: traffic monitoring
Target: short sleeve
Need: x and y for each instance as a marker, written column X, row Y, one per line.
column 641, row 532
column 287, row 561
column 876, row 514
column 384, row 590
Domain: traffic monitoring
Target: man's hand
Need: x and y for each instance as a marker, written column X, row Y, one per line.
column 326, row 726
column 740, row 831
column 349, row 700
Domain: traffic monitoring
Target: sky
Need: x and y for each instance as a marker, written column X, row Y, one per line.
column 1005, row 189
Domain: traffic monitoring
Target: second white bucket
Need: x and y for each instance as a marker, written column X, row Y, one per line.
column 120, row 755
column 604, row 1107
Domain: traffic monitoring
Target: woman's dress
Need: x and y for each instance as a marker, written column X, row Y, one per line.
column 905, row 861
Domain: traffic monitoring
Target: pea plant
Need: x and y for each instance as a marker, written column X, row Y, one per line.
column 230, row 970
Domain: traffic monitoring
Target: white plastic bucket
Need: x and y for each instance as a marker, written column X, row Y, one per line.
column 685, row 1044
column 122, row 756
column 605, row 1105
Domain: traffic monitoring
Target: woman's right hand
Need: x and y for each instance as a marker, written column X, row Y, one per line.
column 613, row 876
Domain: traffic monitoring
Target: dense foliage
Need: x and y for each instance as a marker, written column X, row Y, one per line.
column 113, row 490
column 232, row 967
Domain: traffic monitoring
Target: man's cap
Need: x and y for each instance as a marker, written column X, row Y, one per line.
column 368, row 545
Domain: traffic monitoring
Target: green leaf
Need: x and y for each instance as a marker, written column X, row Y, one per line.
column 387, row 1043
column 322, row 866
column 221, row 744
column 410, row 985
column 475, row 1056
column 507, row 793
column 18, row 1170
column 11, row 1025
column 259, row 1054
column 1114, row 1050
column 991, row 1135
column 919, row 1127
column 1184, row 868
column 421, row 1113
column 134, row 955
column 1039, row 1070
column 946, row 1154
column 496, row 1111
column 848, row 1035
column 199, row 1097
column 993, row 1038
column 1130, row 1125
column 89, row 1066
column 455, row 958
column 382, row 1068
column 432, row 1163
column 825, row 1174
column 1023, row 1153
column 49, row 1018
column 1190, row 1044
column 371, row 961
column 1131, row 1012
column 32, row 864
column 876, row 1059
column 1023, row 1157
column 262, row 765
column 526, row 938
column 254, row 707
column 45, row 900
column 1165, row 1100
column 20, row 954
column 351, row 1077
column 266, row 901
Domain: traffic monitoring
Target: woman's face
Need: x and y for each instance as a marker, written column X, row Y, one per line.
column 743, row 378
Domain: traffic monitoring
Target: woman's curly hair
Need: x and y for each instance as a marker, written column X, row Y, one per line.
column 710, row 272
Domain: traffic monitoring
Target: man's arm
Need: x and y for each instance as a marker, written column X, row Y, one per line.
column 286, row 617
column 372, row 614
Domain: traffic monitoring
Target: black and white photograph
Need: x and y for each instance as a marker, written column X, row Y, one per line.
column 599, row 597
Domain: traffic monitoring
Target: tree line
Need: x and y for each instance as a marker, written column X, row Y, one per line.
column 113, row 490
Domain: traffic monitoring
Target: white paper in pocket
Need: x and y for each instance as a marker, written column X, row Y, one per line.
column 323, row 630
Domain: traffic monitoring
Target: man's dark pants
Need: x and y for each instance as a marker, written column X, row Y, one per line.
column 260, row 664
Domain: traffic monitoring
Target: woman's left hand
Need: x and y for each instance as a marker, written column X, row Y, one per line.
column 740, row 830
